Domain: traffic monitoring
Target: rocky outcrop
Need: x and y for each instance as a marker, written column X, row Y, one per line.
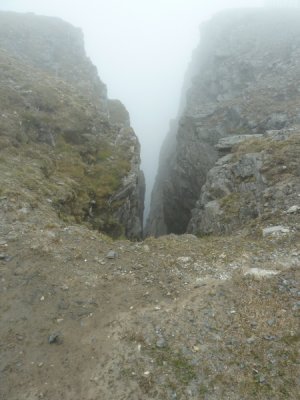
column 258, row 180
column 246, row 77
column 53, row 46
column 81, row 154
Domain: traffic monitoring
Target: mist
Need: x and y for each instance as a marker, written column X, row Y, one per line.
column 142, row 50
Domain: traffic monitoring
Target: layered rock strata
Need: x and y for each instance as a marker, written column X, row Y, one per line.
column 246, row 74
column 258, row 180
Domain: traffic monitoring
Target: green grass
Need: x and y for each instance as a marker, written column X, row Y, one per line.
column 176, row 362
column 66, row 144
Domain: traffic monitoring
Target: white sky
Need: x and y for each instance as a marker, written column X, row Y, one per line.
column 141, row 49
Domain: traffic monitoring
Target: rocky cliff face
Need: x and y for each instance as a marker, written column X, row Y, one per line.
column 246, row 78
column 259, row 179
column 166, row 160
column 61, row 140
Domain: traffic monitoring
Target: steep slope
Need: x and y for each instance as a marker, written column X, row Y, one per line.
column 246, row 78
column 62, row 141
column 167, row 158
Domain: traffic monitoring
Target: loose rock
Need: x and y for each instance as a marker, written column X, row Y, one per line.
column 112, row 255
column 275, row 230
column 55, row 338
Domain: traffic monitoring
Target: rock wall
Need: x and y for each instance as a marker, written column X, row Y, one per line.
column 56, row 118
column 156, row 220
column 246, row 81
column 258, row 180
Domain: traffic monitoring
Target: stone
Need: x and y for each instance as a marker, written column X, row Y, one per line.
column 161, row 343
column 112, row 255
column 184, row 260
column 275, row 230
column 55, row 338
column 226, row 144
column 293, row 210
column 260, row 273
column 5, row 257
column 296, row 306
column 269, row 337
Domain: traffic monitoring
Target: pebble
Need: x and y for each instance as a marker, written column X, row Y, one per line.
column 4, row 257
column 250, row 340
column 296, row 306
column 112, row 255
column 262, row 379
column 161, row 343
column 184, row 260
column 269, row 337
column 55, row 337
column 271, row 322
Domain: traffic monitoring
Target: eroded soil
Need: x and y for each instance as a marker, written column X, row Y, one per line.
column 170, row 318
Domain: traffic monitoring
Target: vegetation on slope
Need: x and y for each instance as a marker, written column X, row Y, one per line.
column 67, row 141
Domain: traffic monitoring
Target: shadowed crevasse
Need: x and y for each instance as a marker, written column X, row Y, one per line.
column 243, row 80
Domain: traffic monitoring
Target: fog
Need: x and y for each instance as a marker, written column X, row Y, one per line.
column 141, row 49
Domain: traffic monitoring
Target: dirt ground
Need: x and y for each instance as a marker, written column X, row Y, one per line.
column 178, row 317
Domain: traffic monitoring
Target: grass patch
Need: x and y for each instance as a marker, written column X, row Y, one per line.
column 176, row 363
